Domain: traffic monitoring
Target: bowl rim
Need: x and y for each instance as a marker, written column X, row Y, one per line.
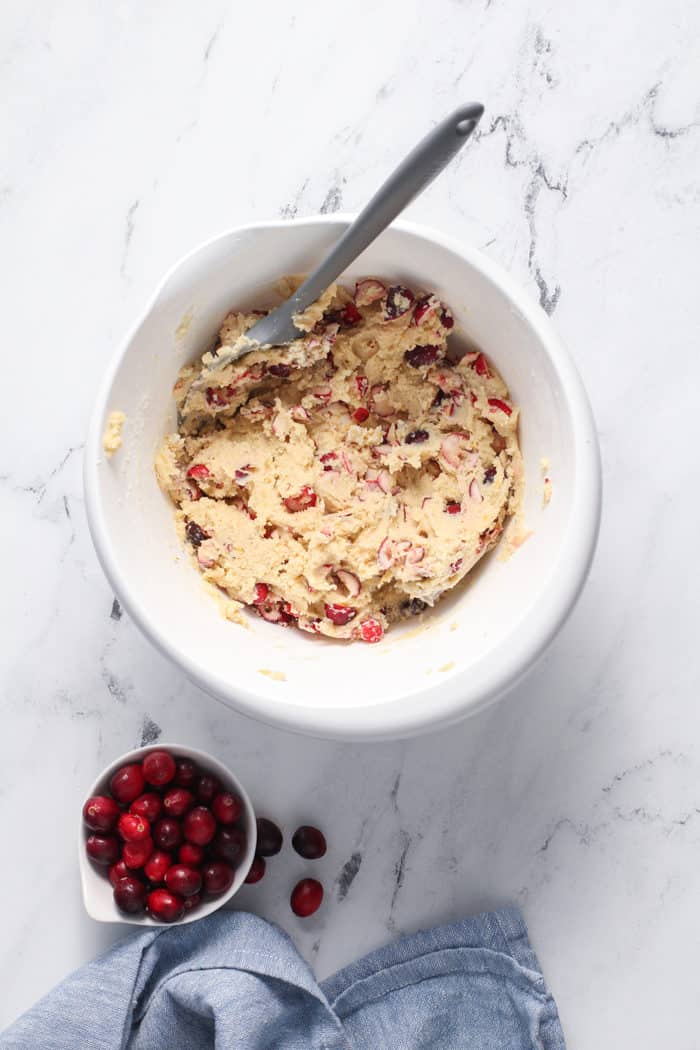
column 208, row 763
column 436, row 706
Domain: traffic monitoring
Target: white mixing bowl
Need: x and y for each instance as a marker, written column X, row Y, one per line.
column 478, row 640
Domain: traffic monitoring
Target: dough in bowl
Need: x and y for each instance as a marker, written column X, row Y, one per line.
column 349, row 480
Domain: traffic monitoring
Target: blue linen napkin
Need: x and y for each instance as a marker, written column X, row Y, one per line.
column 235, row 982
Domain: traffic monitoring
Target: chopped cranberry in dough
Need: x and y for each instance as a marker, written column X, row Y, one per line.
column 347, row 481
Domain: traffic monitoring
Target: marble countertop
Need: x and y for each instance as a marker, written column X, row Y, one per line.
column 132, row 132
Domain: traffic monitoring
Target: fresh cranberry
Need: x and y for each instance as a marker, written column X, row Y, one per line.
column 489, row 475
column 362, row 384
column 453, row 508
column 257, row 870
column 229, row 844
column 423, row 306
column 135, row 854
column 261, row 593
column 340, row 614
column 101, row 813
column 372, row 631
column 159, row 768
column 148, row 806
column 166, row 906
column 269, row 837
column 361, row 414
column 133, row 828
column 281, row 371
column 417, row 437
column 420, row 356
column 446, row 317
column 502, row 406
column 167, row 834
column 218, row 877
column 398, row 301
column 208, row 787
column 195, row 533
column 130, row 895
column 199, row 826
column 103, row 849
column 198, row 470
column 190, row 854
column 177, row 801
column 304, row 499
column 183, row 880
column 190, row 903
column 157, row 865
column 186, row 773
column 306, row 897
column 227, row 808
column 118, row 871
column 309, row 842
column 127, row 783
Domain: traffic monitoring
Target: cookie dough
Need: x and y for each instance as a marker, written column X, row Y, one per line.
column 350, row 479
column 112, row 437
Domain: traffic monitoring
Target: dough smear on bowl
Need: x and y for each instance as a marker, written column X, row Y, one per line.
column 350, row 479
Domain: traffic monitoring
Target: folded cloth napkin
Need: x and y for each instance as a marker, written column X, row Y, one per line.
column 235, row 982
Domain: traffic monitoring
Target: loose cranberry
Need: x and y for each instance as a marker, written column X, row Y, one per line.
column 135, row 854
column 156, row 866
column 130, row 895
column 103, row 849
column 229, row 844
column 199, row 826
column 372, row 631
column 281, row 371
column 309, row 842
column 183, row 880
column 420, row 356
column 453, row 508
column 148, row 806
column 398, row 301
column 360, row 414
column 176, row 801
column 195, row 533
column 218, row 877
column 269, row 837
column 159, row 768
column 304, row 499
column 227, row 808
column 257, row 870
column 166, row 906
column 118, row 871
column 190, row 854
column 101, row 813
column 186, row 773
column 208, row 787
column 340, row 614
column 127, row 783
column 417, row 437
column 167, row 834
column 306, row 897
column 133, row 828
column 190, row 903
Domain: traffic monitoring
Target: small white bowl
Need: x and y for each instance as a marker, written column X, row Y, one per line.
column 98, row 893
column 480, row 639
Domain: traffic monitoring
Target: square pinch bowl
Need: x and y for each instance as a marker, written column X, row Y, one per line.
column 97, row 890
column 480, row 638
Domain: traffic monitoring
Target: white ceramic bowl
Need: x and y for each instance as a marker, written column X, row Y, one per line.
column 98, row 894
column 481, row 638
